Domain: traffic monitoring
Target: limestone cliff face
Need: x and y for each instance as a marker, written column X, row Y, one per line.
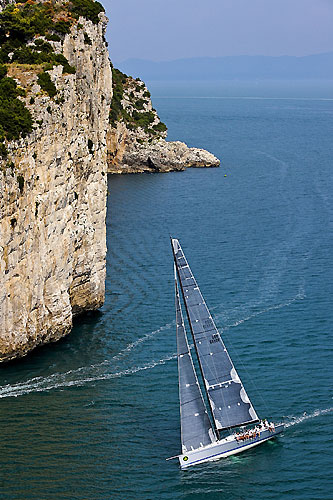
column 136, row 138
column 53, row 197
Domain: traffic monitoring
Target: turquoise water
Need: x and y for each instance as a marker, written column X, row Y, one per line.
column 95, row 415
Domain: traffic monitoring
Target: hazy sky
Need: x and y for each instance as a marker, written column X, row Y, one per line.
column 172, row 29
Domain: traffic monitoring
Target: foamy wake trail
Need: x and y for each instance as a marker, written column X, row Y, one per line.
column 299, row 296
column 61, row 380
column 139, row 341
column 85, row 374
column 306, row 416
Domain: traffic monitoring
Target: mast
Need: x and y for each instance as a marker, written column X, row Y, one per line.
column 196, row 428
column 227, row 397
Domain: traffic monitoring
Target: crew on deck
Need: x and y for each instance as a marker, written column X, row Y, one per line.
column 264, row 425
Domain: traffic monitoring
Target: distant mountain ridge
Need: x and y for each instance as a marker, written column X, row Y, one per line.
column 317, row 66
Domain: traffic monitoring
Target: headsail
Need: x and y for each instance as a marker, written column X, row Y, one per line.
column 196, row 428
column 229, row 402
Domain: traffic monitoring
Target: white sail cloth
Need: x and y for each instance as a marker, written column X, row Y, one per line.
column 228, row 400
column 196, row 428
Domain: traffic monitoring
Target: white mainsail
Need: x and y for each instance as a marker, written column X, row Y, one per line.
column 196, row 428
column 230, row 405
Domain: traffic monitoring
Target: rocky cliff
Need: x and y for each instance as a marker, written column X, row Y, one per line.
column 66, row 119
column 53, row 173
column 136, row 139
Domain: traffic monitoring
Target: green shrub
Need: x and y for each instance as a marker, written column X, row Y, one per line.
column 8, row 88
column 87, row 8
column 61, row 59
column 117, row 111
column 3, row 72
column 69, row 69
column 15, row 118
column 160, row 127
column 87, row 39
column 48, row 66
column 44, row 80
column 20, row 180
column 143, row 119
column 25, row 55
column 53, row 37
column 3, row 150
column 62, row 27
column 43, row 46
column 139, row 104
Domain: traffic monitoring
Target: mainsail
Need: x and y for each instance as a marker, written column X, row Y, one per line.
column 196, row 428
column 228, row 400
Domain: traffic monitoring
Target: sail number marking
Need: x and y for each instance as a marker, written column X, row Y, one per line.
column 207, row 323
column 215, row 338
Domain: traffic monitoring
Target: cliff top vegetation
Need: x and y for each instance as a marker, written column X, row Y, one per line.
column 22, row 24
column 136, row 93
column 26, row 30
column 15, row 118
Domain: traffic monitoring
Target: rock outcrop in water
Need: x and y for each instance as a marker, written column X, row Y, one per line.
column 136, row 137
column 53, row 188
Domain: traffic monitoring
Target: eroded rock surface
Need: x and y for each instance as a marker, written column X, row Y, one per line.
column 53, row 197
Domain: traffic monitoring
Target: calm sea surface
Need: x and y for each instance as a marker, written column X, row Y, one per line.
column 95, row 415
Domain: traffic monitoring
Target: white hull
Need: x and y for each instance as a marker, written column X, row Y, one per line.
column 225, row 448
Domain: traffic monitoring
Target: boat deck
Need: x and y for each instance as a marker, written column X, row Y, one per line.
column 226, row 447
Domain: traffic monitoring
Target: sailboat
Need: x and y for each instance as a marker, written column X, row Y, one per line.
column 209, row 425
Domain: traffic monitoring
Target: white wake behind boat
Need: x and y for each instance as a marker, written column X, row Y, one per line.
column 229, row 405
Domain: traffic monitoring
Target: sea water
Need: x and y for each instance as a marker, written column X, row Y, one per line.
column 95, row 415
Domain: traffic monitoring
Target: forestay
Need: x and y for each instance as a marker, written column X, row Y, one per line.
column 229, row 402
column 196, row 428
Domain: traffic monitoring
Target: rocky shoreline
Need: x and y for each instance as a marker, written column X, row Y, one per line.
column 162, row 156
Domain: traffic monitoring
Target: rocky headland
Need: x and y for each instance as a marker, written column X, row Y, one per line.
column 67, row 118
column 136, row 139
